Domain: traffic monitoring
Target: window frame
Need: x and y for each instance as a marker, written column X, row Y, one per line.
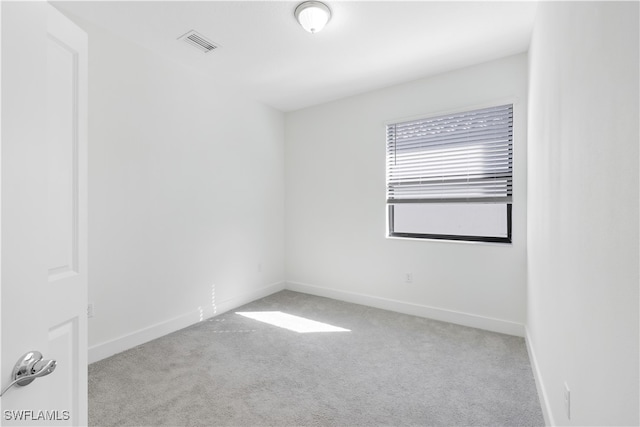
column 454, row 237
column 508, row 239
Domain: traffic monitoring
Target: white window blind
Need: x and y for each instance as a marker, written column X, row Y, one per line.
column 462, row 157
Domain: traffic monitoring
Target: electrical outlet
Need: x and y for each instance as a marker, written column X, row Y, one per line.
column 408, row 278
column 567, row 400
column 90, row 310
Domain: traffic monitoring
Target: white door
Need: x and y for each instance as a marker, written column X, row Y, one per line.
column 43, row 221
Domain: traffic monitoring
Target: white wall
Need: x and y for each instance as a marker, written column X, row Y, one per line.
column 583, row 211
column 335, row 205
column 186, row 206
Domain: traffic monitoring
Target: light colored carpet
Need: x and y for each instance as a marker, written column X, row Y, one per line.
column 389, row 370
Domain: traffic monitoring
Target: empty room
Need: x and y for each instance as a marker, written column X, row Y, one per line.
column 320, row 213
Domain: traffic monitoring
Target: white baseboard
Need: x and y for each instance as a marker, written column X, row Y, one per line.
column 141, row 336
column 542, row 395
column 457, row 317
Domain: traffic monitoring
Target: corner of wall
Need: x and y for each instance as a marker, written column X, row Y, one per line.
column 542, row 395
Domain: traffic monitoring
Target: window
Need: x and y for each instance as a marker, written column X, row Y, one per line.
column 450, row 177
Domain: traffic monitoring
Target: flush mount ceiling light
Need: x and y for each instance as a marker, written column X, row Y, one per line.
column 313, row 15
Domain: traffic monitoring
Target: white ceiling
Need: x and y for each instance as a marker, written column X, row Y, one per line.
column 367, row 44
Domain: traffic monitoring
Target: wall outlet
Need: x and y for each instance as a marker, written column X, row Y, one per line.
column 567, row 400
column 408, row 277
column 90, row 310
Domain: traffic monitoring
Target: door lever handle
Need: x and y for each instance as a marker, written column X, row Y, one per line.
column 29, row 367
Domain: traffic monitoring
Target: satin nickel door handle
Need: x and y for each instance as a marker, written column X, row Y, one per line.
column 29, row 367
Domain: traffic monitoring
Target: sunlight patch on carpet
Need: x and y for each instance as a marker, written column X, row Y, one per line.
column 291, row 322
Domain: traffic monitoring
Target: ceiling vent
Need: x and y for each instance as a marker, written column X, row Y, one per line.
column 198, row 41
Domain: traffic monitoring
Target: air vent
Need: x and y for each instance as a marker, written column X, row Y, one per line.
column 198, row 41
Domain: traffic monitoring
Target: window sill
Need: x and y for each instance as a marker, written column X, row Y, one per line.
column 465, row 242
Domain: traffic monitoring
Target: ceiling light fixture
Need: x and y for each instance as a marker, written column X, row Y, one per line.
column 313, row 15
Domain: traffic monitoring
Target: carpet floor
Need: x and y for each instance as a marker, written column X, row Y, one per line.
column 388, row 369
